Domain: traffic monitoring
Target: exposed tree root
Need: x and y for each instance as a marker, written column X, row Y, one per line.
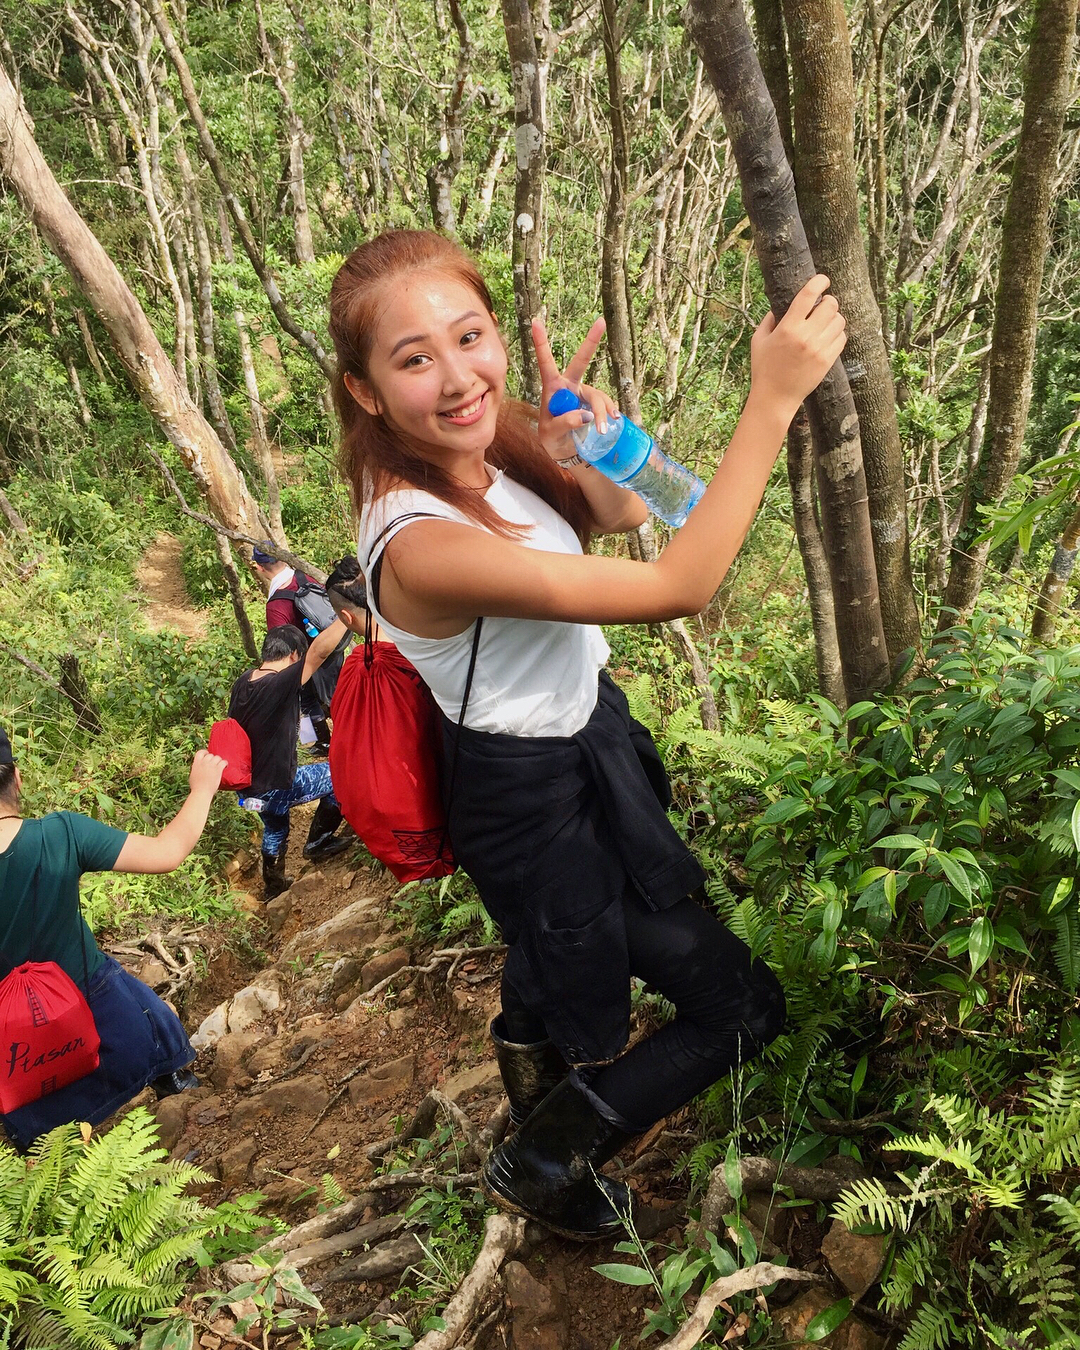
column 464, row 1124
column 762, row 1174
column 388, row 1259
column 298, row 1257
column 453, row 954
column 755, row 1277
column 503, row 1236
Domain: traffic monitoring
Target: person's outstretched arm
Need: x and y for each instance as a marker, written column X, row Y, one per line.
column 166, row 851
column 321, row 647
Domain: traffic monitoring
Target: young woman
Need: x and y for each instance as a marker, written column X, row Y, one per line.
column 41, row 861
column 475, row 513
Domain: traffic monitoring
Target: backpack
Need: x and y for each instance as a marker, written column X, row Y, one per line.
column 230, row 741
column 386, row 755
column 317, row 612
column 48, row 1037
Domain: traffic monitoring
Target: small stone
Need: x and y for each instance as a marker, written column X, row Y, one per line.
column 267, row 1058
column 232, row 867
column 303, row 1097
column 152, row 972
column 306, row 885
column 236, row 1162
column 539, row 1318
column 253, row 1003
column 477, row 1079
column 171, row 1113
column 350, row 930
column 853, row 1333
column 228, row 1055
column 384, row 1080
column 207, row 1111
column 401, row 1018
column 278, row 910
column 855, row 1259
column 379, row 967
column 461, row 1000
column 287, row 1191
column 213, row 1026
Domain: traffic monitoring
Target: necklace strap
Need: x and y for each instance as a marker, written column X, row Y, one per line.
column 10, row 817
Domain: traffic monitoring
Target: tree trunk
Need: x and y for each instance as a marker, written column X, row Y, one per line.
column 1025, row 235
column 800, row 464
column 151, row 372
column 283, row 73
column 772, row 50
column 528, row 181
column 723, row 39
column 824, row 164
column 1055, row 581
column 306, row 339
column 236, row 595
column 613, row 279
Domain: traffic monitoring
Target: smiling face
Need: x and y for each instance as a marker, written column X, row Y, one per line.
column 436, row 368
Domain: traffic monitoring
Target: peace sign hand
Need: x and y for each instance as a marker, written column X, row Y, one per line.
column 555, row 432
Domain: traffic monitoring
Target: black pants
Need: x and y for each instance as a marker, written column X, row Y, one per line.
column 728, row 1008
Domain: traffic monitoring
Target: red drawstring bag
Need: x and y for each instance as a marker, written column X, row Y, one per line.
column 49, row 1036
column 229, row 740
column 384, row 762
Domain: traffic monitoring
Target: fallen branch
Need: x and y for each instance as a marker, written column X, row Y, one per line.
column 825, row 1124
column 310, row 1252
column 303, row 1059
column 762, row 1174
column 389, row 1259
column 503, row 1236
column 311, row 1230
column 14, row 519
column 393, row 1180
column 72, row 685
column 755, row 1277
column 237, row 536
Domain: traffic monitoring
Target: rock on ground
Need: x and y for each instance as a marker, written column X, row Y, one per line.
column 852, row 1333
column 539, row 1316
column 384, row 1080
column 350, row 930
column 855, row 1259
column 304, row 1097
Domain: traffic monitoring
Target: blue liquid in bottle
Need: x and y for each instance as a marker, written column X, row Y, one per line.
column 630, row 457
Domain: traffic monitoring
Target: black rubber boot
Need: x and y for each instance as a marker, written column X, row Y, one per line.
column 275, row 882
column 529, row 1072
column 549, row 1169
column 169, row 1084
column 321, row 728
column 320, row 841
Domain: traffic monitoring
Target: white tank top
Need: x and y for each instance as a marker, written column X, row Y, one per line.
column 533, row 677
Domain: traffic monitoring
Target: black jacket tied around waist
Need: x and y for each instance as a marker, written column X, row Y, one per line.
column 554, row 830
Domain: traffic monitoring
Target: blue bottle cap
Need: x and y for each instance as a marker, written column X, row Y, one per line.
column 563, row 401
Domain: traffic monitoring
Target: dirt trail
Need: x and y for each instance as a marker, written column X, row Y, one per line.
column 160, row 575
column 302, row 1073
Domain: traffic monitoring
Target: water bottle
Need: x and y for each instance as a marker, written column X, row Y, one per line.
column 630, row 457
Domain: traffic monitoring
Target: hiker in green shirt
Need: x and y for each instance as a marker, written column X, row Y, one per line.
column 41, row 861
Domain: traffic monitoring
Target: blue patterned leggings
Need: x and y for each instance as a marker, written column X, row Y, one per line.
column 312, row 782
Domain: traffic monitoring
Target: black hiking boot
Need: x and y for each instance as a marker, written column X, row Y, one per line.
column 275, row 882
column 549, row 1169
column 321, row 728
column 169, row 1084
column 529, row 1072
column 321, row 842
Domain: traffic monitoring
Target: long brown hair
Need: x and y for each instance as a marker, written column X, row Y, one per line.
column 373, row 457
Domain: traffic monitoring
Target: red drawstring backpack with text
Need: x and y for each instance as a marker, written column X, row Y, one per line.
column 229, row 740
column 386, row 752
column 48, row 1038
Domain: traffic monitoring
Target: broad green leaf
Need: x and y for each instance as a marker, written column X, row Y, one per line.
column 871, row 874
column 732, row 1171
column 827, row 1320
column 624, row 1274
column 981, row 943
column 1006, row 935
column 831, row 916
column 785, row 809
column 858, row 1076
column 958, row 877
column 1075, row 825
column 176, row 1334
column 900, row 841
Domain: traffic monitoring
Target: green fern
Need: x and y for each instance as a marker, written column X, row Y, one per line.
column 932, row 1328
column 93, row 1236
column 1067, row 947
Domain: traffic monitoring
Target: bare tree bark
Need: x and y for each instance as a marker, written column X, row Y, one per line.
column 441, row 175
column 720, row 31
column 772, row 49
column 154, row 379
column 528, row 181
column 614, row 286
column 800, row 464
column 1055, row 581
column 283, row 73
column 306, row 339
column 236, row 595
column 1025, row 235
column 824, row 165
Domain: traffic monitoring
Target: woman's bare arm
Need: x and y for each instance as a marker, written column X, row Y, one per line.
column 440, row 575
column 166, row 851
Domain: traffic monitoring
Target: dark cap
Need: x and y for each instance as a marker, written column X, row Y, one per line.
column 260, row 555
column 6, row 757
